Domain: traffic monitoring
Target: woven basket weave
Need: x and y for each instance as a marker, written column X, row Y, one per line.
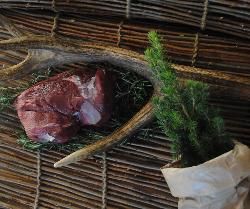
column 129, row 175
column 229, row 17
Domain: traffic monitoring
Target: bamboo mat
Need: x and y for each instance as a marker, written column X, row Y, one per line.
column 229, row 17
column 184, row 46
column 127, row 176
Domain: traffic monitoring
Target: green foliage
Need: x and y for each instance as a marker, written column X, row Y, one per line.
column 86, row 137
column 196, row 129
column 131, row 91
column 7, row 96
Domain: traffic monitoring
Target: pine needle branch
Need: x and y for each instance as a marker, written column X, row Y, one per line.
column 196, row 129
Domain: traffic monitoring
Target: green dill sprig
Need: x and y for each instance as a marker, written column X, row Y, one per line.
column 196, row 129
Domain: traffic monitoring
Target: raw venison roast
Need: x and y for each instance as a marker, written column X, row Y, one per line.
column 53, row 110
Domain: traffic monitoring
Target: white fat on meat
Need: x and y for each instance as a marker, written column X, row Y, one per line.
column 87, row 90
column 47, row 138
column 89, row 114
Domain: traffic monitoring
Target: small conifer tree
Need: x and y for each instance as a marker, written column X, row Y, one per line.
column 195, row 128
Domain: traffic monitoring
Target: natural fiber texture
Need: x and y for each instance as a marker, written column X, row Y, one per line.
column 229, row 17
column 132, row 170
column 132, row 178
column 38, row 180
column 119, row 34
column 196, row 48
column 128, row 8
column 55, row 24
column 53, row 5
column 204, row 15
column 215, row 52
column 104, row 181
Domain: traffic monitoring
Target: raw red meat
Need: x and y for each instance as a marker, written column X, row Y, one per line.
column 53, row 110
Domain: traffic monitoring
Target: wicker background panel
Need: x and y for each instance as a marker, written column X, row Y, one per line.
column 229, row 17
column 89, row 28
column 183, row 46
column 73, row 186
column 104, row 7
column 18, row 178
column 168, row 11
column 236, row 113
column 179, row 45
column 129, row 175
column 220, row 53
column 134, row 178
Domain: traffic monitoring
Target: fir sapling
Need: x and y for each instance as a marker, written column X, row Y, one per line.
column 195, row 128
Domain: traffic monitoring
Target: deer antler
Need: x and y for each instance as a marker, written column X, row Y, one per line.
column 139, row 120
column 45, row 51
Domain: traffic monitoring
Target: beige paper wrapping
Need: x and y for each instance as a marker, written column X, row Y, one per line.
column 221, row 183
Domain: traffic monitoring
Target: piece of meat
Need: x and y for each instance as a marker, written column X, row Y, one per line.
column 53, row 109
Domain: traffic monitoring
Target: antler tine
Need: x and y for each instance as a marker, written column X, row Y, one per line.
column 7, row 24
column 10, row 26
column 27, row 63
column 48, row 51
column 14, row 70
column 141, row 118
column 39, row 59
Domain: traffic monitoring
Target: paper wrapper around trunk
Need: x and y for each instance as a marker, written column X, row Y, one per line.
column 221, row 183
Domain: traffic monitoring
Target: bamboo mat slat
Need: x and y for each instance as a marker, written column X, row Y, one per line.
column 129, row 173
column 230, row 17
column 81, row 184
column 17, row 178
